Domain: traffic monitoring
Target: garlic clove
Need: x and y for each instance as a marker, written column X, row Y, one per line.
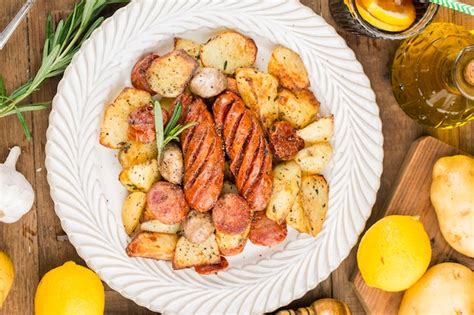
column 17, row 195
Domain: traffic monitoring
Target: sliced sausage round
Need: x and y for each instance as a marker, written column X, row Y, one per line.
column 138, row 76
column 166, row 203
column 231, row 214
column 141, row 124
column 198, row 227
column 284, row 141
column 266, row 232
column 210, row 269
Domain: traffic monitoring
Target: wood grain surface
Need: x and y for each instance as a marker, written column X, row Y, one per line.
column 37, row 244
column 411, row 196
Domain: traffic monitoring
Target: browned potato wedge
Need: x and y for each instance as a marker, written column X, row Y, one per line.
column 258, row 91
column 157, row 226
column 191, row 47
column 136, row 152
column 153, row 245
column 314, row 196
column 114, row 125
column 313, row 159
column 299, row 108
column 319, row 131
column 140, row 177
column 286, row 184
column 172, row 164
column 132, row 210
column 188, row 254
column 287, row 66
column 228, row 51
column 169, row 75
column 230, row 245
column 297, row 218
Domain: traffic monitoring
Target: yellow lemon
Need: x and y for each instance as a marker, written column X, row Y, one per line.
column 70, row 289
column 386, row 15
column 7, row 273
column 394, row 253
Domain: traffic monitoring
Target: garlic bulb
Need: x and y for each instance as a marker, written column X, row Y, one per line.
column 16, row 194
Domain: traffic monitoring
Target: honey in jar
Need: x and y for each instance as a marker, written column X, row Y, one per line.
column 433, row 76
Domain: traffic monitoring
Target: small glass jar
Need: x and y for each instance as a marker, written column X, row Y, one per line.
column 346, row 15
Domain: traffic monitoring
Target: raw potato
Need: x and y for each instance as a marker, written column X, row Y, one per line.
column 286, row 184
column 446, row 288
column 188, row 254
column 288, row 68
column 157, row 226
column 452, row 195
column 299, row 108
column 136, row 152
column 228, row 51
column 258, row 91
column 319, row 131
column 114, row 125
column 191, row 47
column 314, row 159
column 169, row 75
column 140, row 177
column 230, row 245
column 153, row 245
column 172, row 164
column 132, row 210
column 297, row 218
column 208, row 82
column 314, row 197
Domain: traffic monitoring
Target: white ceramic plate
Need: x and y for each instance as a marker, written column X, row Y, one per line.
column 83, row 175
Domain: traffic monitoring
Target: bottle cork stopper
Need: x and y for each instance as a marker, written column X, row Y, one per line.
column 469, row 72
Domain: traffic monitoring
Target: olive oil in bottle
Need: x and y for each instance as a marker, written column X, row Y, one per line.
column 433, row 76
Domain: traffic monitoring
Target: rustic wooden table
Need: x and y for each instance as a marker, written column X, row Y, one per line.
column 37, row 244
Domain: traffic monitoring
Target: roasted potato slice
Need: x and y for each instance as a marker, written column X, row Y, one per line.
column 258, row 91
column 132, row 210
column 313, row 159
column 170, row 74
column 135, row 152
column 188, row 254
column 140, row 177
column 287, row 66
column 172, row 164
column 114, row 125
column 153, row 245
column 157, row 226
column 232, row 244
column 286, row 184
column 299, row 108
column 191, row 47
column 319, row 131
column 297, row 218
column 228, row 51
column 314, row 197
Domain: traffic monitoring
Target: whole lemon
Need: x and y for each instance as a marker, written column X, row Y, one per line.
column 7, row 273
column 70, row 289
column 394, row 253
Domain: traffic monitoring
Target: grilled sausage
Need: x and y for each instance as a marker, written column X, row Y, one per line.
column 203, row 154
column 141, row 124
column 198, row 227
column 266, row 232
column 247, row 148
column 210, row 269
column 165, row 202
column 139, row 80
column 231, row 214
column 284, row 141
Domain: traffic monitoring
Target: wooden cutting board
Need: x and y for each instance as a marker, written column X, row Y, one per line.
column 411, row 196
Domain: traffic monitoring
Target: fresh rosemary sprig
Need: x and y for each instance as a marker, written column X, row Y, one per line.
column 60, row 46
column 172, row 130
